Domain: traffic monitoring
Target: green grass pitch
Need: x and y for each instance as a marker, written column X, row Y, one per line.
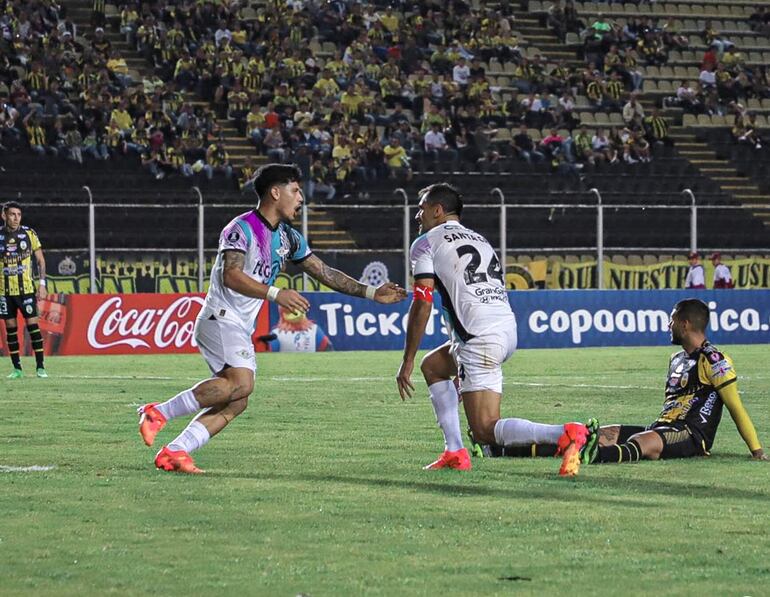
column 318, row 487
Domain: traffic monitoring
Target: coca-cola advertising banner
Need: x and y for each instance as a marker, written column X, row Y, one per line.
column 87, row 324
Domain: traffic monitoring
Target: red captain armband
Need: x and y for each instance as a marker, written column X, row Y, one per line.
column 423, row 293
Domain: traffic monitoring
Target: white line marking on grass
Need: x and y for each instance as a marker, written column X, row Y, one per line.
column 128, row 377
column 576, row 385
column 35, row 468
column 314, row 379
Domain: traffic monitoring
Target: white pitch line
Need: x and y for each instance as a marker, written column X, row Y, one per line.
column 127, row 377
column 309, row 379
column 35, row 468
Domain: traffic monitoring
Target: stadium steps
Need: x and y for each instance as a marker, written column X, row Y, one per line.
column 720, row 171
column 539, row 36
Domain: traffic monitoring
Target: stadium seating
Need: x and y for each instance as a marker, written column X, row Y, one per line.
column 493, row 160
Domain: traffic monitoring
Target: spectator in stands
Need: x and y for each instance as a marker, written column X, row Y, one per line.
column 722, row 276
column 396, row 159
column 275, row 144
column 695, row 279
column 36, row 134
column 438, row 150
column 672, row 34
column 711, row 38
column 152, row 160
column 602, row 147
column 524, row 147
column 657, row 128
column 582, row 147
column 552, row 145
column 687, row 98
column 9, row 131
column 320, row 181
column 461, row 74
column 217, row 161
column 633, row 112
column 557, row 20
column 175, row 160
column 744, row 131
column 760, row 20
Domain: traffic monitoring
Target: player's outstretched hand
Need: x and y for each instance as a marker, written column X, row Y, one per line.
column 389, row 293
column 292, row 301
column 759, row 455
column 404, row 379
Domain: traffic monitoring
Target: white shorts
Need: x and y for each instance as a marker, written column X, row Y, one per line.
column 223, row 342
column 480, row 360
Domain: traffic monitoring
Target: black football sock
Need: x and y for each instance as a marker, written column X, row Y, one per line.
column 628, row 452
column 37, row 343
column 531, row 451
column 13, row 346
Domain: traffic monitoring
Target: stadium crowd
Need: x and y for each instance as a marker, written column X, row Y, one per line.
column 725, row 82
column 351, row 92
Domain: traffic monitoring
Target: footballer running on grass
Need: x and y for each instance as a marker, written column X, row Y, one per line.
column 253, row 249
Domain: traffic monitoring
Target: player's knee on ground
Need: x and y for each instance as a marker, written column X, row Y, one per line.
column 483, row 430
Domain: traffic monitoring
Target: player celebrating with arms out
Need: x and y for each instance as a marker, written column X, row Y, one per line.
column 463, row 267
column 253, row 249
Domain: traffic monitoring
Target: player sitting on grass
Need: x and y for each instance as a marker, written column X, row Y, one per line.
column 701, row 380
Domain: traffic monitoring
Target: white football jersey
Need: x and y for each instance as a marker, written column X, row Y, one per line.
column 266, row 249
column 468, row 277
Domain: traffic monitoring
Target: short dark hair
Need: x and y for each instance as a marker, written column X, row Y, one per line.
column 695, row 311
column 11, row 205
column 271, row 175
column 444, row 194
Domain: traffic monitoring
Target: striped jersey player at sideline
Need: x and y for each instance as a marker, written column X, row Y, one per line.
column 463, row 267
column 253, row 249
column 18, row 244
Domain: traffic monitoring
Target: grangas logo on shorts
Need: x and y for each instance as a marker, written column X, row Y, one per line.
column 172, row 326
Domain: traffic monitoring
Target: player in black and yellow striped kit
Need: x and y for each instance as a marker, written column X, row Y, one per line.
column 17, row 288
column 701, row 381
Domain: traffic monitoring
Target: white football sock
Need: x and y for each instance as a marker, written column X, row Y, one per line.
column 521, row 432
column 184, row 403
column 194, row 436
column 443, row 395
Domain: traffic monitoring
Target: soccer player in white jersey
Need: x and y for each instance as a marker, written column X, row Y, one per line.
column 253, row 249
column 463, row 267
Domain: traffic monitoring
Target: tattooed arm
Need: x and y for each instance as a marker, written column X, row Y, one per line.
column 333, row 278
column 234, row 278
column 41, row 289
column 341, row 282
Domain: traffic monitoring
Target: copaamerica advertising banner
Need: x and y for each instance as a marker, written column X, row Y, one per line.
column 554, row 319
column 163, row 323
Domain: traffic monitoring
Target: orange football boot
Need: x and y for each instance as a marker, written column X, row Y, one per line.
column 459, row 460
column 568, row 447
column 177, row 461
column 151, row 421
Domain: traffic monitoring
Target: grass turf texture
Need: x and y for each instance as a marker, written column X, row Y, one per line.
column 318, row 487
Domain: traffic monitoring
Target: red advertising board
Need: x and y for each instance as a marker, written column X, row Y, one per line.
column 88, row 324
